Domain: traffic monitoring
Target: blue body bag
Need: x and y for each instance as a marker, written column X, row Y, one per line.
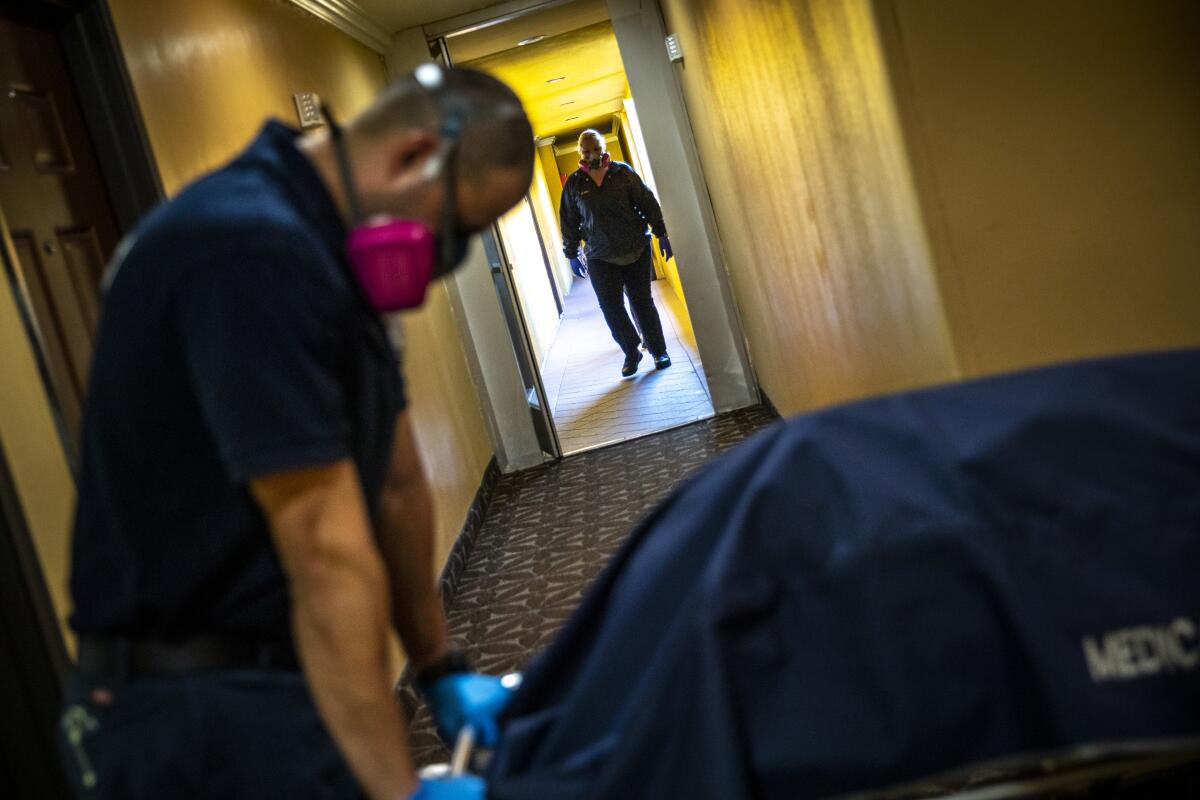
column 863, row 596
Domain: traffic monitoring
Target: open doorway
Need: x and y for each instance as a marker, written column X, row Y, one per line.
column 565, row 64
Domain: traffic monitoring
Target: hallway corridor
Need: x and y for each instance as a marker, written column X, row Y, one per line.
column 550, row 530
column 592, row 404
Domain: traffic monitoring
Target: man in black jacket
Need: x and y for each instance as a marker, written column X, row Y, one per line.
column 606, row 204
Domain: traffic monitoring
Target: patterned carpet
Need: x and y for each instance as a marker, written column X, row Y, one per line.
column 548, row 533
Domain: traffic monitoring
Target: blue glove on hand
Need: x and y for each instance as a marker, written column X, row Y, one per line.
column 664, row 244
column 459, row 787
column 468, row 698
column 578, row 268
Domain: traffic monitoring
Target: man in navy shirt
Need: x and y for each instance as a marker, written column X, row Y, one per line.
column 253, row 514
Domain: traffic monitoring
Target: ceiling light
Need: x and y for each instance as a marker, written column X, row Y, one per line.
column 556, row 80
column 531, row 40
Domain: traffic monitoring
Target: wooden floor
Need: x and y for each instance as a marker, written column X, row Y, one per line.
column 592, row 404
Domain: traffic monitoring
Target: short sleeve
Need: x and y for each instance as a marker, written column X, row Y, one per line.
column 263, row 338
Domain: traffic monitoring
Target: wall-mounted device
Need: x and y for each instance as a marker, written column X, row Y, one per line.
column 308, row 109
column 674, row 51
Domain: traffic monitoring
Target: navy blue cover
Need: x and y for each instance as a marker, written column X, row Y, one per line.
column 889, row 589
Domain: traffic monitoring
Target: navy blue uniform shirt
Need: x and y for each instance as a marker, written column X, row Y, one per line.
column 234, row 342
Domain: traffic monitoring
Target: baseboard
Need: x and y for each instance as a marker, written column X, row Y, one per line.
column 767, row 404
column 452, row 571
column 456, row 562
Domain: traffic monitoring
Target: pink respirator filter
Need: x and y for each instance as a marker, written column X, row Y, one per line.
column 393, row 260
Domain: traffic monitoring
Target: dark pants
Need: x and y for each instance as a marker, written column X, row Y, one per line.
column 243, row 734
column 611, row 281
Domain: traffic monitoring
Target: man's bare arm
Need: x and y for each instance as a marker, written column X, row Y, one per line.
column 406, row 540
column 339, row 596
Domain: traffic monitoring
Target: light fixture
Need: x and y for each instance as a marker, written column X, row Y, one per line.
column 556, row 80
column 531, row 40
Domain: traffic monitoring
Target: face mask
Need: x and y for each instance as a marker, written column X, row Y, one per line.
column 595, row 162
column 395, row 259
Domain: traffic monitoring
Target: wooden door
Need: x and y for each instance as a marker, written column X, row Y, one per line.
column 53, row 207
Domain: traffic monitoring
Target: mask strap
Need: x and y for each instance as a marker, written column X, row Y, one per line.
column 451, row 130
column 343, row 162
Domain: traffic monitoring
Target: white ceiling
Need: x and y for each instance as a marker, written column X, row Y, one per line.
column 577, row 49
column 548, row 23
column 396, row 15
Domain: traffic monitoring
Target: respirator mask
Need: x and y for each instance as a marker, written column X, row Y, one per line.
column 595, row 163
column 395, row 259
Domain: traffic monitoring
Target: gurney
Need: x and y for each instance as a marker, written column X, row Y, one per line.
column 1170, row 770
column 958, row 590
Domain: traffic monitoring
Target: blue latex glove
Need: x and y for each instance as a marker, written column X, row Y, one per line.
column 459, row 787
column 578, row 268
column 664, row 244
column 468, row 698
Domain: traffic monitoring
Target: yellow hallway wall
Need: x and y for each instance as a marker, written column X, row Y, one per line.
column 549, row 166
column 207, row 75
column 796, row 129
column 1055, row 146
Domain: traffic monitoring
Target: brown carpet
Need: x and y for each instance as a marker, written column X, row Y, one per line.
column 550, row 530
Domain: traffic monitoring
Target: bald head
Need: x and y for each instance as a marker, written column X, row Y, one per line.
column 394, row 160
column 590, row 136
column 495, row 132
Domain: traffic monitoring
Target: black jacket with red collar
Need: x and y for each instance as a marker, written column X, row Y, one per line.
column 612, row 217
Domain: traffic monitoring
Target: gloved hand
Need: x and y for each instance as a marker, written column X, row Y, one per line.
column 578, row 268
column 664, row 244
column 457, row 787
column 468, row 698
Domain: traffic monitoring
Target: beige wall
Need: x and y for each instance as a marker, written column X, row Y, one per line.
column 454, row 444
column 795, row 125
column 206, row 76
column 1056, row 147
column 34, row 452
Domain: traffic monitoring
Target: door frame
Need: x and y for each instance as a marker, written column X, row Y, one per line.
column 478, row 294
column 670, row 145
column 671, row 148
column 113, row 123
column 35, row 681
column 534, row 396
column 33, row 678
column 502, row 268
column 105, row 93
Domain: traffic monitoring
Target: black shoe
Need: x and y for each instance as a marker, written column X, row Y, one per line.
column 631, row 364
column 662, row 362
